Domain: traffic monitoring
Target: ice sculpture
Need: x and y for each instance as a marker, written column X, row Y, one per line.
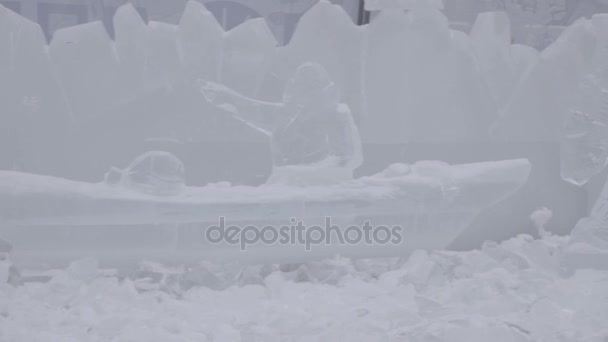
column 311, row 131
column 34, row 116
column 200, row 43
column 339, row 52
column 427, row 87
column 90, row 90
column 434, row 201
column 247, row 55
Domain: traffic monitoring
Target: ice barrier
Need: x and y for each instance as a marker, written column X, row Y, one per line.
column 543, row 99
column 130, row 36
column 34, row 116
column 200, row 43
column 88, row 69
column 325, row 34
column 429, row 87
column 422, row 81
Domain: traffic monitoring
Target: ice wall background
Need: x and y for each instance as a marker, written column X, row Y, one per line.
column 86, row 101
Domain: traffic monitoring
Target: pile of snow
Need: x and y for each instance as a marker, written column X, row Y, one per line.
column 512, row 291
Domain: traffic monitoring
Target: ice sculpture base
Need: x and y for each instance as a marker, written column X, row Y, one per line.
column 52, row 221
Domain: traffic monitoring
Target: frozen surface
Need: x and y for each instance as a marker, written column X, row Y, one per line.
column 503, row 292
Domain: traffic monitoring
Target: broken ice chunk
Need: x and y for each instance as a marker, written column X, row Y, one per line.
column 588, row 247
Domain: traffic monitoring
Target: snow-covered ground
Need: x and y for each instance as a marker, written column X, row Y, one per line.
column 513, row 291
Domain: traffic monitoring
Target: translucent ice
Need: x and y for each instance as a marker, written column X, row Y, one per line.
column 339, row 52
column 593, row 230
column 90, row 90
column 162, row 64
column 247, row 55
column 541, row 102
column 131, row 39
column 588, row 246
column 584, row 143
column 200, row 42
column 309, row 128
column 34, row 116
column 426, row 88
column 491, row 35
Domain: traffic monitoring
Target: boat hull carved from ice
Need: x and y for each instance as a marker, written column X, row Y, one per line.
column 51, row 221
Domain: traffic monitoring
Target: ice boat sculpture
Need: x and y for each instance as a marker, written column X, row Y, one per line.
column 51, row 221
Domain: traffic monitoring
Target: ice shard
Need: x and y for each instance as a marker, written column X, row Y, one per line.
column 88, row 69
column 584, row 139
column 588, row 247
column 200, row 42
column 426, row 88
column 541, row 102
column 339, row 52
column 34, row 115
column 130, row 36
column 491, row 35
column 162, row 64
column 248, row 51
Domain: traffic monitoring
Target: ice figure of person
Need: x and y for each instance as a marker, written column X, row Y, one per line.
column 314, row 139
